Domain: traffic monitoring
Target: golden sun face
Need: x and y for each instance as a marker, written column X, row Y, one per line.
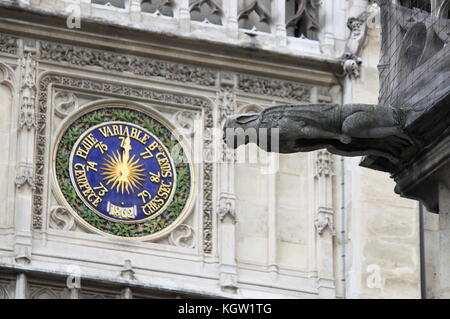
column 123, row 172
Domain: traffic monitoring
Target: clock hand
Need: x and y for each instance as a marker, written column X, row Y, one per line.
column 126, row 145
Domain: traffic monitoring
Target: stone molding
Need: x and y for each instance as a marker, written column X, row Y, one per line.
column 75, row 55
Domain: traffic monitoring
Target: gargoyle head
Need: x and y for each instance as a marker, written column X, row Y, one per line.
column 241, row 129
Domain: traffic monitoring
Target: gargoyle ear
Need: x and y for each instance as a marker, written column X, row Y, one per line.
column 247, row 118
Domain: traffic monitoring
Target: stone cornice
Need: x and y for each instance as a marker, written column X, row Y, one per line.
column 97, row 34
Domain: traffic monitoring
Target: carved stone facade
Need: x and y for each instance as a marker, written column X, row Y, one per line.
column 270, row 228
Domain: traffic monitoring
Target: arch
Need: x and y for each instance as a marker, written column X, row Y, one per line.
column 7, row 76
column 250, row 108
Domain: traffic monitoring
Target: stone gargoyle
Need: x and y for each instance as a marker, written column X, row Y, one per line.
column 349, row 129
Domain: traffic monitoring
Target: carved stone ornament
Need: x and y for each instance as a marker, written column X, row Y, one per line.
column 28, row 91
column 273, row 87
column 350, row 129
column 61, row 219
column 183, row 236
column 65, row 103
column 25, row 176
column 227, row 211
column 323, row 221
column 324, row 164
column 186, row 121
column 85, row 57
column 350, row 60
column 8, row 44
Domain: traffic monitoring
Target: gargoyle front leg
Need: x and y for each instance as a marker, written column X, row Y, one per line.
column 364, row 124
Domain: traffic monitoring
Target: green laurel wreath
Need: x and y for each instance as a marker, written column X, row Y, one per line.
column 182, row 168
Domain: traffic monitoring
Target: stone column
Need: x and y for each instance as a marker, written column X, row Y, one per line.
column 135, row 11
column 444, row 232
column 272, row 223
column 85, row 6
column 25, row 153
column 184, row 16
column 278, row 25
column 227, row 246
column 230, row 20
column 21, row 286
column 324, row 223
column 326, row 20
column 226, row 105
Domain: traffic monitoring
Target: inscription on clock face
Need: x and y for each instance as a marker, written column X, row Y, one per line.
column 122, row 172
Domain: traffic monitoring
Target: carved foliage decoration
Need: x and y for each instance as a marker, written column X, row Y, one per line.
column 61, row 219
column 272, row 87
column 207, row 207
column 109, row 61
column 227, row 105
column 302, row 18
column 158, row 7
column 183, row 236
column 209, row 11
column 28, row 91
column 324, row 164
column 8, row 44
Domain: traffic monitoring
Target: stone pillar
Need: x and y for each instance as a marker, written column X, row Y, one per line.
column 278, row 25
column 444, row 233
column 324, row 223
column 25, row 153
column 135, row 11
column 326, row 20
column 21, row 286
column 231, row 21
column 227, row 247
column 272, row 223
column 85, row 6
column 226, row 105
column 184, row 16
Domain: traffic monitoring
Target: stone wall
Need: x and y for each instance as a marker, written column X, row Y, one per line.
column 252, row 231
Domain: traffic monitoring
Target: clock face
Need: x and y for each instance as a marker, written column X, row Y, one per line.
column 122, row 172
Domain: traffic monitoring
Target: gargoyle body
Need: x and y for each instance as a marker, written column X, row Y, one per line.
column 350, row 129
